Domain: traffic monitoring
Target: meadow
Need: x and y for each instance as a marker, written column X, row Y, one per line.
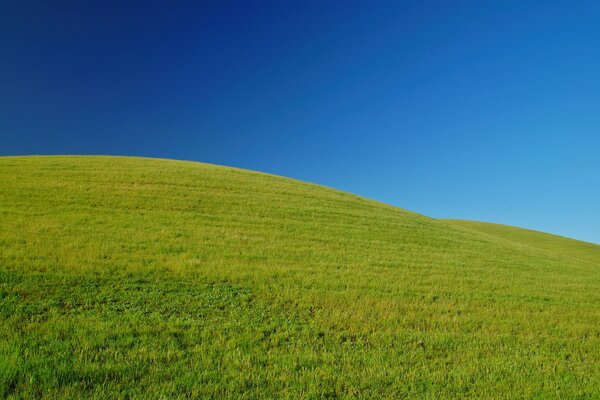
column 144, row 278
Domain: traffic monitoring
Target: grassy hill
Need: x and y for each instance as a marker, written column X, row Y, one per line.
column 132, row 277
column 556, row 245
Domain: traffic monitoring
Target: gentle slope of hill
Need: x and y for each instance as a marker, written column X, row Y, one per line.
column 557, row 245
column 147, row 278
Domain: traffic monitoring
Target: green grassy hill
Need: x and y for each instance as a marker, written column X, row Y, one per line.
column 556, row 245
column 131, row 277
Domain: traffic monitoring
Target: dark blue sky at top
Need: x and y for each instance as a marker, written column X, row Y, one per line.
column 466, row 109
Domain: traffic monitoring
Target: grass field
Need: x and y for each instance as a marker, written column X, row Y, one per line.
column 144, row 278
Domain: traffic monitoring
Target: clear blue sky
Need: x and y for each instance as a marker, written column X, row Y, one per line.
column 467, row 109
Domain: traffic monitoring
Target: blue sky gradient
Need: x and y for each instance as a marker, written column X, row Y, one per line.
column 475, row 110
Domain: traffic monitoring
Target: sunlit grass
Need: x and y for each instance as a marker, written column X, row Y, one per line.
column 147, row 278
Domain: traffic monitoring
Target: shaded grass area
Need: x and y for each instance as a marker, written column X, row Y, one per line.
column 151, row 278
column 107, row 335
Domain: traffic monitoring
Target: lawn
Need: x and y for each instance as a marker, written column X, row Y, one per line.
column 134, row 277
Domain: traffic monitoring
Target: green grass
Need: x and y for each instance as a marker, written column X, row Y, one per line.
column 556, row 245
column 129, row 277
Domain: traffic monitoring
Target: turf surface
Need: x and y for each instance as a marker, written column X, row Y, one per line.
column 130, row 277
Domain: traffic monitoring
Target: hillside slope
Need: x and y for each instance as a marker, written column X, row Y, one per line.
column 155, row 278
column 556, row 245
